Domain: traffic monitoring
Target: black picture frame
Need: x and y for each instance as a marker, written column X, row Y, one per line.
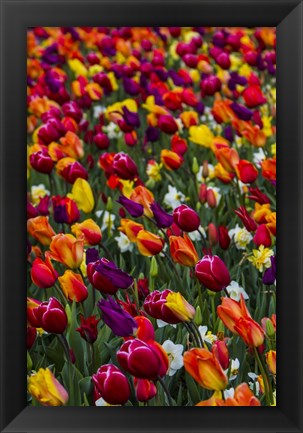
column 16, row 17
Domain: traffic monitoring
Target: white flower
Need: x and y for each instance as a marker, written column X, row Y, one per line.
column 98, row 109
column 207, row 336
column 112, row 130
column 102, row 402
column 124, row 243
column 241, row 236
column 254, row 385
column 259, row 156
column 107, row 220
column 234, row 291
column 195, row 236
column 161, row 324
column 174, row 353
column 38, row 191
column 234, row 369
column 229, row 393
column 173, row 198
column 180, row 124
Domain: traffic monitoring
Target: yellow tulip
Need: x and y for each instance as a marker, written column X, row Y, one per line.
column 45, row 388
column 82, row 194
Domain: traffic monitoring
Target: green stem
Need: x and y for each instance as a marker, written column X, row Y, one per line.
column 267, row 386
column 60, row 294
column 165, row 389
column 202, row 239
column 174, row 266
column 192, row 334
column 213, row 310
column 107, row 252
column 65, row 346
column 197, row 333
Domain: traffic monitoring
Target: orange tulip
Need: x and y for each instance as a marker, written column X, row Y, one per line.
column 214, row 400
column 149, row 244
column 67, row 249
column 271, row 223
column 130, row 229
column 89, row 231
column 204, row 367
column 40, row 229
column 143, row 196
column 243, row 397
column 182, row 250
column 72, row 146
column 271, row 361
column 223, row 175
column 238, row 320
column 269, row 169
column 228, row 158
column 222, row 112
column 261, row 212
column 73, row 286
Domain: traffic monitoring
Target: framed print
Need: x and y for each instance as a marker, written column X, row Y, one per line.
column 161, row 288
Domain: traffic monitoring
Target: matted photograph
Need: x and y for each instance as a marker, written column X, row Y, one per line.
column 151, row 216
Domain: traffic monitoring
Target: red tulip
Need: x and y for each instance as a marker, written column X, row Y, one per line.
column 143, row 360
column 124, row 166
column 213, row 273
column 111, row 384
column 51, row 316
column 186, row 218
column 43, row 274
column 262, row 236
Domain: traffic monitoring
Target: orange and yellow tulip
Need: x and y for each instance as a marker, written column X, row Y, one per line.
column 238, row 320
column 143, row 196
column 149, row 244
column 73, row 286
column 66, row 249
column 271, row 361
column 88, row 230
column 182, row 250
column 130, row 228
column 46, row 389
column 40, row 229
column 204, row 367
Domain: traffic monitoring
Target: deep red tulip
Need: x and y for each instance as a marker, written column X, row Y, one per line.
column 213, row 273
column 111, row 384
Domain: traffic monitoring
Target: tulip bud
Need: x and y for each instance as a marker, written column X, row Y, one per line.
column 262, row 236
column 205, row 170
column 88, row 328
column 195, row 166
column 43, row 274
column 224, row 239
column 211, row 198
column 153, row 272
column 219, row 349
column 213, row 273
column 198, row 316
column 212, row 234
column 145, row 389
column 29, row 362
column 271, row 361
column 270, row 329
column 203, row 193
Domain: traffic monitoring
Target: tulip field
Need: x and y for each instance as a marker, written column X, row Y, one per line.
column 151, row 216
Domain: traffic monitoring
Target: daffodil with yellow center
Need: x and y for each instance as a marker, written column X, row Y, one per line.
column 261, row 258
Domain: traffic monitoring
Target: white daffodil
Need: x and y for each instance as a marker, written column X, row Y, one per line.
column 107, row 220
column 259, row 156
column 235, row 291
column 195, row 236
column 241, row 237
column 102, row 402
column 234, row 369
column 124, row 243
column 98, row 109
column 207, row 336
column 173, row 198
column 112, row 130
column 174, row 353
column 254, row 384
column 161, row 324
column 229, row 393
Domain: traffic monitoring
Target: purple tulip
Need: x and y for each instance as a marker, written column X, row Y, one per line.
column 131, row 118
column 241, row 111
column 269, row 276
column 121, row 323
column 152, row 134
column 163, row 219
column 133, row 208
column 92, row 255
